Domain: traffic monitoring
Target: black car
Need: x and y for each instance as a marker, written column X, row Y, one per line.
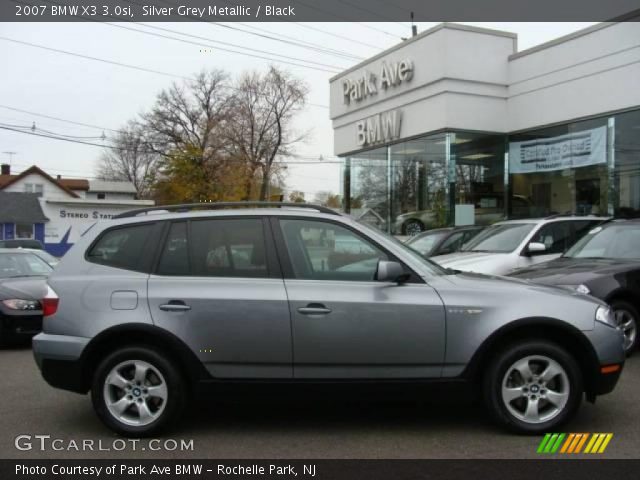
column 605, row 264
column 441, row 241
column 22, row 285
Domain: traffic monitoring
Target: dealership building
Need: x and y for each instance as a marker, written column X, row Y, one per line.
column 455, row 126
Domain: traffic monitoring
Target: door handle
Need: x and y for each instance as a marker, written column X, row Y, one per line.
column 175, row 306
column 314, row 309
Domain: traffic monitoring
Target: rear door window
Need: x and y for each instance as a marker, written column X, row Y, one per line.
column 228, row 248
column 122, row 247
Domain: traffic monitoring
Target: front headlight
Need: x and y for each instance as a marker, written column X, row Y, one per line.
column 17, row 304
column 605, row 315
column 578, row 288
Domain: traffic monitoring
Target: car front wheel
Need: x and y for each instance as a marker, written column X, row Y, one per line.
column 137, row 392
column 533, row 387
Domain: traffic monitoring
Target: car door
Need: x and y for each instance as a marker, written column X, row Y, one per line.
column 555, row 236
column 344, row 323
column 218, row 287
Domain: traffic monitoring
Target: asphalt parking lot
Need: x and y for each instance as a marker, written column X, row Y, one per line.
column 432, row 428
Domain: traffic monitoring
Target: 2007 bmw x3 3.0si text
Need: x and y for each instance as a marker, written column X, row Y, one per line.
column 148, row 306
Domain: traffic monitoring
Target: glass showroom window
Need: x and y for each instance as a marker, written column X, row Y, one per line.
column 561, row 169
column 626, row 161
column 24, row 230
column 480, row 197
column 418, row 185
column 366, row 187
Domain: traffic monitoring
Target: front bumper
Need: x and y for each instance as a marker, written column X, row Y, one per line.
column 608, row 344
column 59, row 360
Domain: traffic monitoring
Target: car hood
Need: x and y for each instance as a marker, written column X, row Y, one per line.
column 25, row 288
column 574, row 271
column 483, row 262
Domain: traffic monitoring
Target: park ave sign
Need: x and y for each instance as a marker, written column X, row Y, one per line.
column 366, row 84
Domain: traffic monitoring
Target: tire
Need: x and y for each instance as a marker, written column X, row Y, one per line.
column 627, row 314
column 146, row 408
column 412, row 227
column 531, row 409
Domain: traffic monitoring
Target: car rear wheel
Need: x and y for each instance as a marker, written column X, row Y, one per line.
column 413, row 227
column 137, row 392
column 627, row 319
column 532, row 387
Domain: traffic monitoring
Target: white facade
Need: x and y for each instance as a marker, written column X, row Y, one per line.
column 467, row 78
column 71, row 210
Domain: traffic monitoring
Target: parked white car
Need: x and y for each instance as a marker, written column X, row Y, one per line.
column 506, row 246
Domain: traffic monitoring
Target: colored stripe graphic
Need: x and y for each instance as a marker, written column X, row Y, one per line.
column 573, row 443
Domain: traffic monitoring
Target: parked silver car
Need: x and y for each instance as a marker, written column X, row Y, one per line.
column 506, row 246
column 148, row 306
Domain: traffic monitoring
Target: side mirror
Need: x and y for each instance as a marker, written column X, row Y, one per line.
column 536, row 247
column 391, row 272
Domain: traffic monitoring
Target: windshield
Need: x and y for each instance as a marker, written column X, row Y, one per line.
column 432, row 268
column 614, row 241
column 423, row 244
column 500, row 238
column 22, row 265
column 47, row 257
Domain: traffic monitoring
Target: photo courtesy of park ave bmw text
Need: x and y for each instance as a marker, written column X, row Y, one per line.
column 327, row 240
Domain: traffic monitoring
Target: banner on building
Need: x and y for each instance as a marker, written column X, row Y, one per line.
column 572, row 150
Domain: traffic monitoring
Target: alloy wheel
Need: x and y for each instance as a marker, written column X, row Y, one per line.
column 135, row 393
column 627, row 323
column 535, row 389
column 413, row 228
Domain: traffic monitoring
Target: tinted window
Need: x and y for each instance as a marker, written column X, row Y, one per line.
column 228, row 248
column 121, row 247
column 175, row 256
column 326, row 251
column 555, row 236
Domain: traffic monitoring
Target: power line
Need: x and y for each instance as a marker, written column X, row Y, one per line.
column 284, row 39
column 202, row 45
column 345, row 55
column 334, row 69
column 316, row 29
column 113, row 147
column 366, row 10
column 88, row 57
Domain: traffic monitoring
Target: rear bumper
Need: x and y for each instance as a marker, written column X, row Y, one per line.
column 16, row 326
column 58, row 357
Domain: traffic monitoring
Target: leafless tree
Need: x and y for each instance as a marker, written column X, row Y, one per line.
column 190, row 116
column 130, row 160
column 261, row 127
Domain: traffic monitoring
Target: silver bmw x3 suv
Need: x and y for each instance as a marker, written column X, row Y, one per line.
column 150, row 306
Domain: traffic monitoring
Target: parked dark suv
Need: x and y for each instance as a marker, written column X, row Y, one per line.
column 149, row 305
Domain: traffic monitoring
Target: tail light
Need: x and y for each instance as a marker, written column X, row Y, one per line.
column 50, row 302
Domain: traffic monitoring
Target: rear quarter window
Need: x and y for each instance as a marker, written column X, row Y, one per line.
column 122, row 247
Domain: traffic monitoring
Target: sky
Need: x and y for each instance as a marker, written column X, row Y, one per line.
column 107, row 95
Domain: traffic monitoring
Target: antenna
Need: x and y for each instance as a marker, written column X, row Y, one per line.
column 414, row 28
column 10, row 154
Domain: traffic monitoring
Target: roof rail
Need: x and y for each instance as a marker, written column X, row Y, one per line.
column 569, row 214
column 185, row 207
